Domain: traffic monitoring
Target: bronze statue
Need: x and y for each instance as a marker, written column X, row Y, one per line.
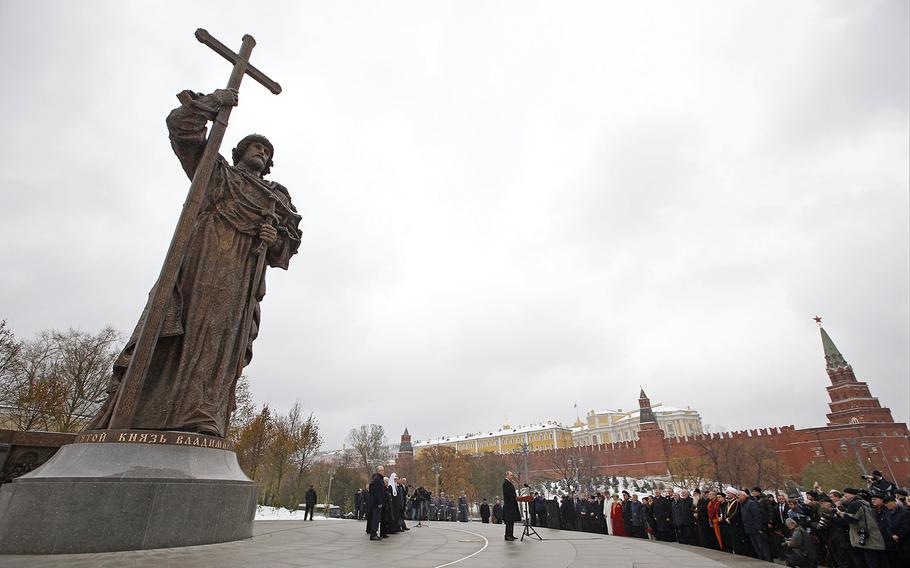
column 179, row 369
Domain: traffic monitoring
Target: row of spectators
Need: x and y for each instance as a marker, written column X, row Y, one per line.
column 851, row 528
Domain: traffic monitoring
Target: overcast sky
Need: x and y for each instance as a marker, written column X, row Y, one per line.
column 508, row 207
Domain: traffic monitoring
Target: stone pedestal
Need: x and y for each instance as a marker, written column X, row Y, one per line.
column 128, row 490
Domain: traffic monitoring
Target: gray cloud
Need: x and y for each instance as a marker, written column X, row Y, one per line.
column 508, row 208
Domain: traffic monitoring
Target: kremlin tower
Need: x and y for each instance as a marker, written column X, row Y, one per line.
column 405, row 450
column 851, row 401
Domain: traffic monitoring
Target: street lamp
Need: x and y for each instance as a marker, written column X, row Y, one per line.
column 852, row 441
column 873, row 446
column 881, row 446
column 524, row 450
column 574, row 463
column 436, row 468
column 328, row 496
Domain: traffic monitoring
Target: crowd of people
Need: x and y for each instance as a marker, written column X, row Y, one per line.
column 383, row 505
column 849, row 528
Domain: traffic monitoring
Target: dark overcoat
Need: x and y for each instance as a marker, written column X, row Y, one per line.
column 510, row 513
column 377, row 491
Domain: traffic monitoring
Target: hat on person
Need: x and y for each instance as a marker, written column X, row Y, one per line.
column 825, row 499
column 756, row 489
column 887, row 497
column 836, row 493
column 902, row 492
column 877, row 473
column 851, row 491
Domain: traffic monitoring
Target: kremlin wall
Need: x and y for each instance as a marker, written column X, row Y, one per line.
column 858, row 429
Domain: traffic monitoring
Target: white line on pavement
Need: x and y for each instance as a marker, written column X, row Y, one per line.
column 486, row 543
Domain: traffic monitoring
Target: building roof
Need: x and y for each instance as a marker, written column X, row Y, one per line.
column 658, row 408
column 630, row 417
column 833, row 358
column 503, row 432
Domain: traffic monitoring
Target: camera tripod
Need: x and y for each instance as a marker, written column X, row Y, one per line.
column 420, row 508
column 528, row 530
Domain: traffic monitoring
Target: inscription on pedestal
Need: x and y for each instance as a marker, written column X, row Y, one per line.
column 154, row 437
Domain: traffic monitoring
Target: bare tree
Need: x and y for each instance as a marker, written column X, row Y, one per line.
column 370, row 443
column 82, row 368
column 57, row 379
column 689, row 471
column 713, row 448
column 281, row 449
column 308, row 440
column 9, row 353
column 32, row 392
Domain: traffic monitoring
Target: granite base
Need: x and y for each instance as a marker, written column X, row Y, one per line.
column 118, row 496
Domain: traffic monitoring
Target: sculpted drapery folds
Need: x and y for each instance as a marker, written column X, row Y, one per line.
column 198, row 356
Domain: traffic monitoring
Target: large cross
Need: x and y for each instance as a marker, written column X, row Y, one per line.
column 134, row 378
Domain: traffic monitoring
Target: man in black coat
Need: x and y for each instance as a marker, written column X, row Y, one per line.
column 898, row 550
column 682, row 517
column 358, row 503
column 310, row 502
column 375, row 502
column 663, row 516
column 540, row 508
column 637, row 517
column 553, row 514
column 497, row 512
column 484, row 511
column 627, row 512
column 701, row 517
column 753, row 526
column 510, row 512
column 581, row 507
column 568, row 513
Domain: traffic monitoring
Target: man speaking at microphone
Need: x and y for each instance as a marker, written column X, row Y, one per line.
column 510, row 512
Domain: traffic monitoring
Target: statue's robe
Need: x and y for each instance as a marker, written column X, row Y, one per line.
column 198, row 357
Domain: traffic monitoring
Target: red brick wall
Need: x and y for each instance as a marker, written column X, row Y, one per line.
column 878, row 445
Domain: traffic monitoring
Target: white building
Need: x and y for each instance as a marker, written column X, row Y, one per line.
column 606, row 426
column 545, row 436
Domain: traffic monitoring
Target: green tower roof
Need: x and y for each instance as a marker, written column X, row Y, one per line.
column 833, row 356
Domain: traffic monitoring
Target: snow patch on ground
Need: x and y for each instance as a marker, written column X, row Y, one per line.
column 282, row 514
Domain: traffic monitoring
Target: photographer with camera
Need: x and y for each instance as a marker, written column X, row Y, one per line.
column 839, row 539
column 802, row 549
column 421, row 504
column 878, row 485
column 866, row 542
column 823, row 529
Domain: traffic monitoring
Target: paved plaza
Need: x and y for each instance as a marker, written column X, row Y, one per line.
column 343, row 544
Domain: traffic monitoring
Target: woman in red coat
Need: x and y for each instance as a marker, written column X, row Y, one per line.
column 616, row 517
